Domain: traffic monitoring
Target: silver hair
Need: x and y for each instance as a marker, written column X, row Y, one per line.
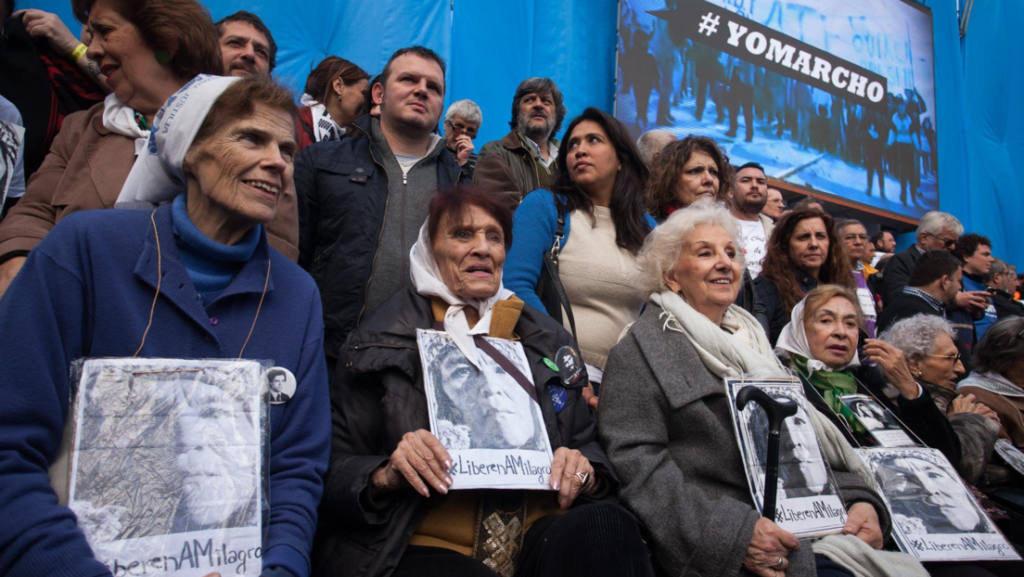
column 467, row 109
column 653, row 141
column 841, row 224
column 915, row 336
column 999, row 266
column 660, row 253
column 934, row 222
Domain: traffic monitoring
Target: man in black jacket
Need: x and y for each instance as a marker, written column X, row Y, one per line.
column 1002, row 283
column 937, row 231
column 932, row 290
column 363, row 199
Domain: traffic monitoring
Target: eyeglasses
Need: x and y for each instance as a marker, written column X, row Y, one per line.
column 948, row 243
column 955, row 358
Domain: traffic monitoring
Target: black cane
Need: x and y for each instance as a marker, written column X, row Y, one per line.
column 777, row 411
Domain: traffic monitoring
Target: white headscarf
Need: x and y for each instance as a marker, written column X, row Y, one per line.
column 324, row 127
column 426, row 277
column 794, row 340
column 157, row 175
column 119, row 118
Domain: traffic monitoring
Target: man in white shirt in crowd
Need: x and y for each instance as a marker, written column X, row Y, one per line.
column 747, row 197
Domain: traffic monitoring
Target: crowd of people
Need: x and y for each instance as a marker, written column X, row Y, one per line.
column 187, row 208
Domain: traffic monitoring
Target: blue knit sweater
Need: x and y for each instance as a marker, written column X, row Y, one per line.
column 210, row 264
column 86, row 291
column 533, row 233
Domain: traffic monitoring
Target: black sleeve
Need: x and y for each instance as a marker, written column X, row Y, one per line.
column 896, row 276
column 309, row 211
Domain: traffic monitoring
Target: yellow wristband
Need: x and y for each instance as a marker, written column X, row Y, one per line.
column 79, row 52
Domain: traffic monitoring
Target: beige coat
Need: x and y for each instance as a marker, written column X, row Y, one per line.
column 85, row 170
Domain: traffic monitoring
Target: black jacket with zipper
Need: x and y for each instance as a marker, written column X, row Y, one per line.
column 378, row 395
column 342, row 189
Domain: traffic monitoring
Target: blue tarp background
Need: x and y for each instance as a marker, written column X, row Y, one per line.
column 491, row 45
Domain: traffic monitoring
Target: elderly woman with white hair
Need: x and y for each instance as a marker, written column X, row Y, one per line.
column 194, row 279
column 665, row 421
column 927, row 344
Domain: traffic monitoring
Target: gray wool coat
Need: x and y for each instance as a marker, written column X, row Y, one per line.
column 665, row 422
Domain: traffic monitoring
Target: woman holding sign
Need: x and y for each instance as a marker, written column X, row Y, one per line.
column 388, row 507
column 665, row 420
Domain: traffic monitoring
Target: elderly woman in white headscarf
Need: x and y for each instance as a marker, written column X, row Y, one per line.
column 821, row 342
column 193, row 279
column 388, row 499
column 666, row 422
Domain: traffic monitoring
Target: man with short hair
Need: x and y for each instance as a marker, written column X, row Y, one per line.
column 461, row 123
column 883, row 241
column 976, row 253
column 524, row 159
column 651, row 143
column 932, row 289
column 246, row 45
column 747, row 197
column 775, row 206
column 363, row 199
column 1002, row 283
column 937, row 231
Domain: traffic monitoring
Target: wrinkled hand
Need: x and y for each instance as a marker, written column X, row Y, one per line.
column 862, row 522
column 564, row 466
column 462, row 146
column 419, row 460
column 589, row 396
column 966, row 404
column 8, row 271
column 768, row 544
column 49, row 26
column 975, row 300
column 893, row 364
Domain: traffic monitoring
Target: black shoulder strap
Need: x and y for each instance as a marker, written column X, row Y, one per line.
column 551, row 261
column 507, row 365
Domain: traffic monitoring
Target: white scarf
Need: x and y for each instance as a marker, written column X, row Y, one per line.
column 157, row 175
column 744, row 352
column 426, row 278
column 793, row 339
column 993, row 382
column 120, row 119
column 324, row 127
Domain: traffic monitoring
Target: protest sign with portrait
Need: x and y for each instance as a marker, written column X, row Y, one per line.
column 167, row 472
column 935, row 517
column 877, row 421
column 483, row 416
column 808, row 499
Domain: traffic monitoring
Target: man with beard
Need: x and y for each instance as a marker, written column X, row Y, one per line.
column 246, row 46
column 362, row 199
column 747, row 197
column 524, row 159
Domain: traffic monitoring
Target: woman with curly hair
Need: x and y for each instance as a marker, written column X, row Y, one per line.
column 685, row 171
column 803, row 252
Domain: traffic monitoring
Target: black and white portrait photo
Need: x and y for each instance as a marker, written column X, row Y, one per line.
column 280, row 386
column 929, row 502
column 165, row 448
column 1011, row 455
column 878, row 422
column 480, row 407
column 11, row 139
column 804, row 476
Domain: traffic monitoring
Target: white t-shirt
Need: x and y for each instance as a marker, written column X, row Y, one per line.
column 754, row 243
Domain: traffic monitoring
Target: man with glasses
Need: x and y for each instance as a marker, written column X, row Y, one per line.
column 461, row 123
column 855, row 237
column 1002, row 283
column 937, row 231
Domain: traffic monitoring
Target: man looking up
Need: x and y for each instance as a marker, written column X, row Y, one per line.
column 976, row 253
column 363, row 199
column 523, row 160
column 775, row 205
column 855, row 237
column 747, row 197
column 246, row 46
column 461, row 124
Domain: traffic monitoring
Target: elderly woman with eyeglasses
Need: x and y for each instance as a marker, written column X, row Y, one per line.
column 932, row 357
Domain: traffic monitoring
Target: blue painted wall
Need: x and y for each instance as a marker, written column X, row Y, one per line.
column 491, row 45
